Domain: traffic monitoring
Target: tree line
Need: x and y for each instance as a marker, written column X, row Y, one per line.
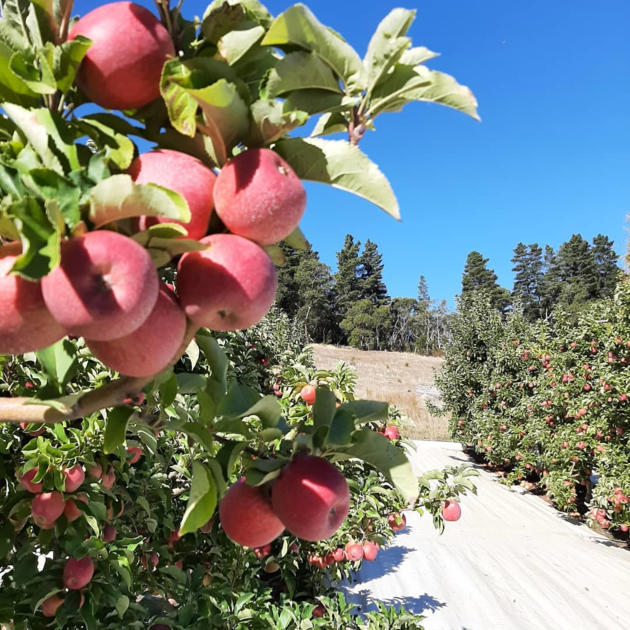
column 352, row 306
column 575, row 275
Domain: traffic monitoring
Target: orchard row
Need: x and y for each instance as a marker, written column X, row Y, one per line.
column 548, row 404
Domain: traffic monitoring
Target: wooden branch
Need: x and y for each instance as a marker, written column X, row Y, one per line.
column 114, row 394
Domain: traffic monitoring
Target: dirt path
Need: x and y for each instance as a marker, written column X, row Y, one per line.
column 511, row 563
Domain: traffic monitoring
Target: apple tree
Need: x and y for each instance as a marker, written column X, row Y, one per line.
column 131, row 452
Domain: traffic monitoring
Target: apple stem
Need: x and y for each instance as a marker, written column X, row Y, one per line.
column 20, row 409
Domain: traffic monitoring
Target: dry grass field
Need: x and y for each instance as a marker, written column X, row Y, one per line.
column 400, row 378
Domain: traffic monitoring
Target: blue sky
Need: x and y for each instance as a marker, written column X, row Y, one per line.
column 550, row 158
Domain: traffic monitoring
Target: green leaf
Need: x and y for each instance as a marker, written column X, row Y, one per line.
column 377, row 450
column 367, row 410
column 296, row 239
column 417, row 55
column 122, row 604
column 341, row 428
column 236, row 43
column 228, row 455
column 297, row 26
column 217, row 362
column 314, row 101
column 340, row 164
column 168, row 390
column 41, row 241
column 59, row 362
column 331, row 122
column 406, row 84
column 66, row 61
column 200, row 434
column 224, row 16
column 268, row 409
column 188, row 383
column 238, row 402
column 49, row 135
column 116, row 428
column 202, row 500
column 14, row 32
column 387, row 45
column 270, row 121
column 117, row 147
column 12, row 89
column 34, row 68
column 324, row 407
column 118, row 197
column 225, row 117
column 51, row 186
column 300, row 71
column 276, row 254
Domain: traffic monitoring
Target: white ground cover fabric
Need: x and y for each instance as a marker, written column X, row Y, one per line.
column 511, row 562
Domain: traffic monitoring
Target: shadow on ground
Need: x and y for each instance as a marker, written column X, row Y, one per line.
column 418, row 605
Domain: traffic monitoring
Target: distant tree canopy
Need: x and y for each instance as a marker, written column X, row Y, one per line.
column 575, row 275
column 353, row 307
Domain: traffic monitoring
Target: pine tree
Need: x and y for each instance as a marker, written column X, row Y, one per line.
column 371, row 285
column 606, row 263
column 528, row 272
column 478, row 277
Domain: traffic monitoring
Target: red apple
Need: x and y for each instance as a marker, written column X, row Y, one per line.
column 151, row 347
column 70, row 509
column 229, row 286
column 257, row 195
column 185, row 175
column 109, row 533
column 319, row 611
column 136, row 453
column 339, row 554
column 397, row 521
column 50, row 605
column 27, row 481
column 46, row 508
column 74, row 478
column 370, row 550
column 354, row 551
column 247, row 517
column 391, row 432
column 307, row 394
column 109, row 478
column 95, row 471
column 122, row 67
column 78, row 573
column 311, row 497
column 26, row 324
column 104, row 288
column 451, row 511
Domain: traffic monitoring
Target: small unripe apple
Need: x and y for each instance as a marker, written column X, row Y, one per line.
column 46, row 508
column 354, row 551
column 151, row 347
column 122, row 67
column 74, row 478
column 77, row 574
column 246, row 516
column 184, row 174
column 50, row 605
column 370, row 550
column 104, row 287
column 308, row 394
column 229, row 286
column 27, row 481
column 311, row 497
column 26, row 324
column 257, row 195
column 451, row 511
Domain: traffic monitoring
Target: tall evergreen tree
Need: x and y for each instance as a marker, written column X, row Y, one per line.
column 528, row 272
column 608, row 272
column 347, row 285
column 371, row 285
column 478, row 277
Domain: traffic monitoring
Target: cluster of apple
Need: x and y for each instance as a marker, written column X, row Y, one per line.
column 106, row 287
column 352, row 552
column 310, row 499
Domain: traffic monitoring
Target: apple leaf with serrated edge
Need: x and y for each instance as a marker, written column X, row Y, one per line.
column 340, row 164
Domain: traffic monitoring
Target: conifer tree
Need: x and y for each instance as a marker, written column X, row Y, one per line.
column 528, row 272
column 608, row 272
column 478, row 277
column 371, row 285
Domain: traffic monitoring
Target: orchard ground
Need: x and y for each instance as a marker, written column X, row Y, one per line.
column 404, row 379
